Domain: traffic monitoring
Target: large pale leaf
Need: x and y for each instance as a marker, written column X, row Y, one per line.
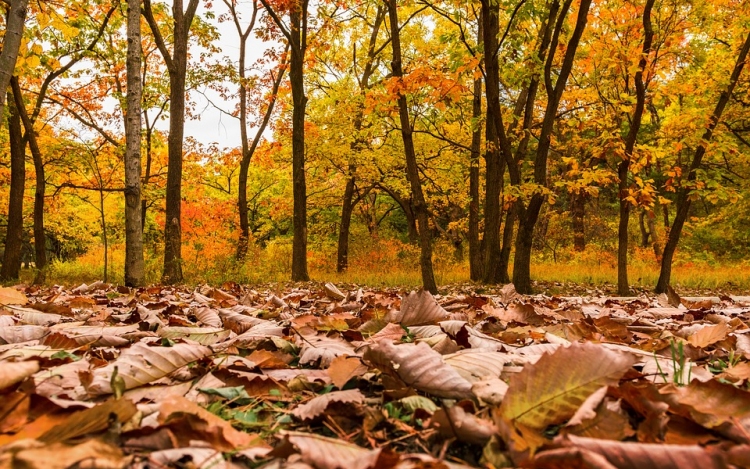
column 11, row 296
column 141, row 364
column 420, row 367
column 419, row 309
column 551, row 390
column 477, row 365
column 18, row 334
column 202, row 335
column 15, row 372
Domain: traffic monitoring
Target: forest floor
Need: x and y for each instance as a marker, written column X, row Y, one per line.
column 338, row 376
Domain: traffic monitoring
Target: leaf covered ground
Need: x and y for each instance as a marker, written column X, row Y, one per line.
column 354, row 378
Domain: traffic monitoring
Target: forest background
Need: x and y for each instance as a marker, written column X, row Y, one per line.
column 380, row 143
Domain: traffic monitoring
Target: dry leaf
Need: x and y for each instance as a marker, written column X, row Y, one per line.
column 318, row 405
column 344, row 368
column 421, row 367
column 141, row 364
column 551, row 390
column 15, row 372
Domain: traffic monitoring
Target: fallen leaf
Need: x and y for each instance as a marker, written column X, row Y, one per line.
column 318, row 405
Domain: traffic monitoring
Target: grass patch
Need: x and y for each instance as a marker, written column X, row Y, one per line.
column 393, row 264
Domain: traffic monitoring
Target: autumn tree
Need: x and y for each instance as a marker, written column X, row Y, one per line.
column 412, row 171
column 14, row 21
column 176, row 61
column 296, row 35
column 14, row 234
column 134, row 263
column 684, row 194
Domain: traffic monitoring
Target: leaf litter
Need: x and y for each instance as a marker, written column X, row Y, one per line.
column 334, row 376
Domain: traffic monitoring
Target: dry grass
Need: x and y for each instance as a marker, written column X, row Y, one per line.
column 392, row 264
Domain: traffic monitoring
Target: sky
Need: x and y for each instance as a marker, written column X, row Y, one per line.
column 214, row 125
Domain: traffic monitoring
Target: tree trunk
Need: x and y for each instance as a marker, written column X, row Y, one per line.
column 412, row 171
column 14, row 22
column 683, row 201
column 578, row 213
column 248, row 151
column 347, row 205
column 299, row 185
column 342, row 256
column 529, row 215
column 14, row 235
column 511, row 216
column 650, row 221
column 176, row 66
column 40, row 238
column 476, row 268
column 493, row 159
column 623, row 169
column 135, row 274
column 645, row 234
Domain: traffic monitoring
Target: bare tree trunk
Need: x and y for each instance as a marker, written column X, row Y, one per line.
column 623, row 169
column 683, row 201
column 176, row 66
column 135, row 274
column 14, row 235
column 493, row 158
column 299, row 184
column 342, row 255
column 247, row 154
column 14, row 21
column 347, row 205
column 476, row 268
column 529, row 215
column 40, row 238
column 412, row 171
column 645, row 234
column 578, row 213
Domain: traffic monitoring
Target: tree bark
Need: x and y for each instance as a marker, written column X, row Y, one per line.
column 176, row 66
column 529, row 215
column 14, row 234
column 493, row 158
column 298, row 19
column 683, row 195
column 248, row 151
column 476, row 269
column 623, row 169
column 412, row 171
column 135, row 274
column 342, row 255
column 347, row 204
column 578, row 213
column 14, row 22
column 40, row 237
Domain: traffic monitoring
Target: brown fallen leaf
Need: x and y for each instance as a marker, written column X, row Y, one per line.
column 418, row 309
column 91, row 453
column 551, row 390
column 420, row 367
column 327, row 453
column 317, row 406
column 15, row 372
column 141, row 364
column 90, row 421
column 344, row 368
column 195, row 458
column 455, row 422
column 650, row 456
column 322, row 349
column 11, row 296
column 196, row 423
column 709, row 335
